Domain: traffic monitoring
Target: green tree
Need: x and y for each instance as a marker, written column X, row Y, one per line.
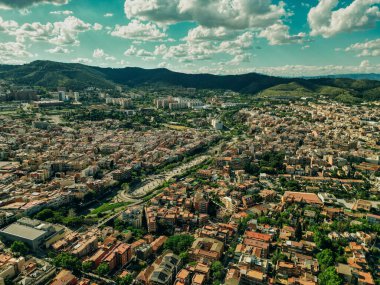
column 278, row 256
column 232, row 248
column 137, row 233
column 67, row 261
column 217, row 270
column 72, row 221
column 126, row 280
column 341, row 259
column 179, row 243
column 103, row 269
column 243, row 224
column 292, row 185
column 321, row 240
column 252, row 169
column 216, row 266
column 330, row 277
column 298, row 231
column 325, row 259
column 19, row 247
column 87, row 266
column 257, row 198
column 184, row 256
column 8, row 281
column 44, row 214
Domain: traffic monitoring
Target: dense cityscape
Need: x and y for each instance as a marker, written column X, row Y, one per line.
column 189, row 142
column 134, row 186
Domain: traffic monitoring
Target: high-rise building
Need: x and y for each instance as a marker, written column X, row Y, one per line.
column 200, row 203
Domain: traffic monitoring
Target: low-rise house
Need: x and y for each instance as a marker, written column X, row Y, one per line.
column 183, row 277
column 198, row 279
column 64, row 277
column 161, row 272
column 206, row 249
column 301, row 197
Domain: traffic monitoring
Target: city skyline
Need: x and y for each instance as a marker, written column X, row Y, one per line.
column 284, row 38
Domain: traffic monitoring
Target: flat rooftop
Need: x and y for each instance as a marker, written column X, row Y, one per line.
column 23, row 231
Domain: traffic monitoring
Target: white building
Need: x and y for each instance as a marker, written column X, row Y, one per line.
column 217, row 125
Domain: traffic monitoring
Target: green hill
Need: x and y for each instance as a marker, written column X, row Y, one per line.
column 290, row 90
column 77, row 76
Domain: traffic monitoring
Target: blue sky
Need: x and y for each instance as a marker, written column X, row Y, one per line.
column 286, row 38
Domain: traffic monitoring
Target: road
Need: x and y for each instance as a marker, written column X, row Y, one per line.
column 114, row 216
column 153, row 182
column 156, row 180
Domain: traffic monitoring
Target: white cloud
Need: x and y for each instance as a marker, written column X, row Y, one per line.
column 7, row 26
column 201, row 33
column 205, row 50
column 201, row 50
column 359, row 15
column 138, row 31
column 108, row 15
column 122, row 62
column 58, row 49
column 33, row 31
column 17, row 4
column 240, row 58
column 232, row 14
column 291, row 70
column 97, row 27
column 364, row 64
column 25, row 11
column 100, row 54
column 304, row 70
column 141, row 53
column 238, row 45
column 67, row 31
column 13, row 53
column 58, row 33
column 133, row 51
column 223, row 69
column 64, row 12
column 186, row 52
column 368, row 48
column 164, row 65
column 82, row 60
column 278, row 34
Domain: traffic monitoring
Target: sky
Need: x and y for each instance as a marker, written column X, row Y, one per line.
column 284, row 38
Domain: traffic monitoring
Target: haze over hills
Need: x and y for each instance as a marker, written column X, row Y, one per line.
column 360, row 76
column 77, row 76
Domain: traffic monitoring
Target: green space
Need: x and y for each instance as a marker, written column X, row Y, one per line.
column 109, row 207
column 179, row 243
column 65, row 216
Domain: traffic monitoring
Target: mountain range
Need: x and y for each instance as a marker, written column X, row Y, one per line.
column 76, row 76
column 360, row 76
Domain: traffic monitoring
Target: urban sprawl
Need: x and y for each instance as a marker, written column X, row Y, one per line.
column 169, row 185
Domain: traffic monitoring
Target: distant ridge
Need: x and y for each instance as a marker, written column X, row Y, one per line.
column 357, row 76
column 76, row 76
